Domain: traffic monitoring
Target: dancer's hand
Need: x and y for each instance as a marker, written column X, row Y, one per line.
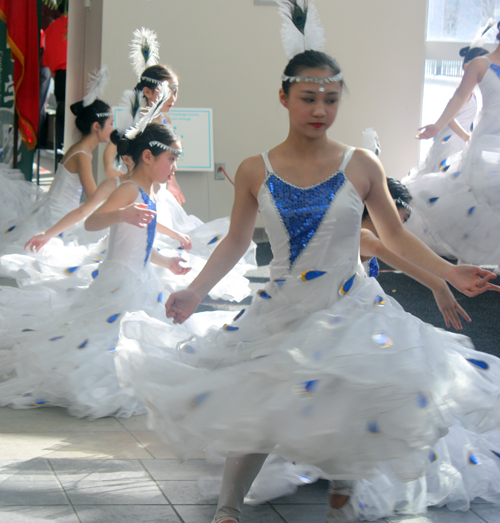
column 184, row 240
column 449, row 307
column 471, row 280
column 174, row 188
column 37, row 242
column 427, row 131
column 176, row 267
column 138, row 214
column 180, row 305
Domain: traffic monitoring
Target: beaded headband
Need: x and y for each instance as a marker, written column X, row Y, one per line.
column 173, row 150
column 399, row 202
column 102, row 115
column 313, row 79
column 172, row 85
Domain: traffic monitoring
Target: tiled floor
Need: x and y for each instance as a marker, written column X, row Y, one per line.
column 57, row 468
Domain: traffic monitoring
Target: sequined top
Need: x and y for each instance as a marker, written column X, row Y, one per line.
column 315, row 228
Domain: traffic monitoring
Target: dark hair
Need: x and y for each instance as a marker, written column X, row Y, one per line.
column 158, row 72
column 86, row 116
column 398, row 191
column 310, row 59
column 498, row 27
column 154, row 132
column 469, row 54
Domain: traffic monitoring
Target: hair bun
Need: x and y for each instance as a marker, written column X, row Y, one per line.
column 77, row 108
column 115, row 137
column 464, row 51
column 122, row 146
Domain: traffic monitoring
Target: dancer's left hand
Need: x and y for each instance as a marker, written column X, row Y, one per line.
column 471, row 280
column 427, row 131
column 449, row 307
column 176, row 267
column 174, row 188
column 37, row 242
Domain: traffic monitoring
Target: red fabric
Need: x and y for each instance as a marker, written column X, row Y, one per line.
column 56, row 44
column 21, row 18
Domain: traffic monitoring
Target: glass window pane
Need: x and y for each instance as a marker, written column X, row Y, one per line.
column 459, row 20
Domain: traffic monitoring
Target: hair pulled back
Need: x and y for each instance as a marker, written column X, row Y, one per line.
column 162, row 73
column 86, row 116
column 398, row 191
column 154, row 132
column 310, row 59
column 498, row 27
column 469, row 53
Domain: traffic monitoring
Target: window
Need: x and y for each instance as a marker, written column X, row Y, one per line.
column 451, row 25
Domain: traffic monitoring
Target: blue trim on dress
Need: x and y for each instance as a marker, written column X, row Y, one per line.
column 151, row 225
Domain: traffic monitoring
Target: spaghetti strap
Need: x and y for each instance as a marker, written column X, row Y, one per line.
column 347, row 157
column 76, row 152
column 269, row 167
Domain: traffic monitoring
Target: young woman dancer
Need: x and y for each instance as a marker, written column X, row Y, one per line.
column 73, row 177
column 459, row 208
column 57, row 348
column 454, row 136
column 322, row 368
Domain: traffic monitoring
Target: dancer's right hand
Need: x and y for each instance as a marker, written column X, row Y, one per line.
column 37, row 242
column 138, row 214
column 427, row 131
column 180, row 305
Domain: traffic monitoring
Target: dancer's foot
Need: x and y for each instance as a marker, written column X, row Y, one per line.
column 341, row 504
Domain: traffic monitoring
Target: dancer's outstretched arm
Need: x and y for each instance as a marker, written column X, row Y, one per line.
column 120, row 207
column 469, row 279
column 73, row 217
column 183, row 239
column 248, row 180
column 446, row 302
column 472, row 76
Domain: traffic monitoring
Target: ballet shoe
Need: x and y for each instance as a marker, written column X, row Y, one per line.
column 347, row 513
column 224, row 519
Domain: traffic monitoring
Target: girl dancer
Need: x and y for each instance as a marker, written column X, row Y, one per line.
column 57, row 348
column 322, row 368
column 457, row 211
column 74, row 174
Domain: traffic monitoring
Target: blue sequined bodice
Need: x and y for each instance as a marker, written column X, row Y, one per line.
column 302, row 209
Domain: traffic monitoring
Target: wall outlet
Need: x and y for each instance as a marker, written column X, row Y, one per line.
column 219, row 171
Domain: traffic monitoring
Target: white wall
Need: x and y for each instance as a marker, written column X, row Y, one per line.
column 229, row 57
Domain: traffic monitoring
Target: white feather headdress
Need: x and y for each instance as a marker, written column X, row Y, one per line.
column 152, row 112
column 482, row 34
column 97, row 82
column 371, row 140
column 145, row 50
column 301, row 29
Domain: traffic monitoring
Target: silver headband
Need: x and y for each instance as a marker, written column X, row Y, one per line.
column 173, row 150
column 172, row 85
column 313, row 79
column 401, row 203
column 102, row 115
column 152, row 80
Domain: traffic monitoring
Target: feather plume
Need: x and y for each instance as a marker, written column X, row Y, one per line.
column 97, row 82
column 371, row 140
column 145, row 50
column 131, row 102
column 152, row 112
column 481, row 36
column 301, row 28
